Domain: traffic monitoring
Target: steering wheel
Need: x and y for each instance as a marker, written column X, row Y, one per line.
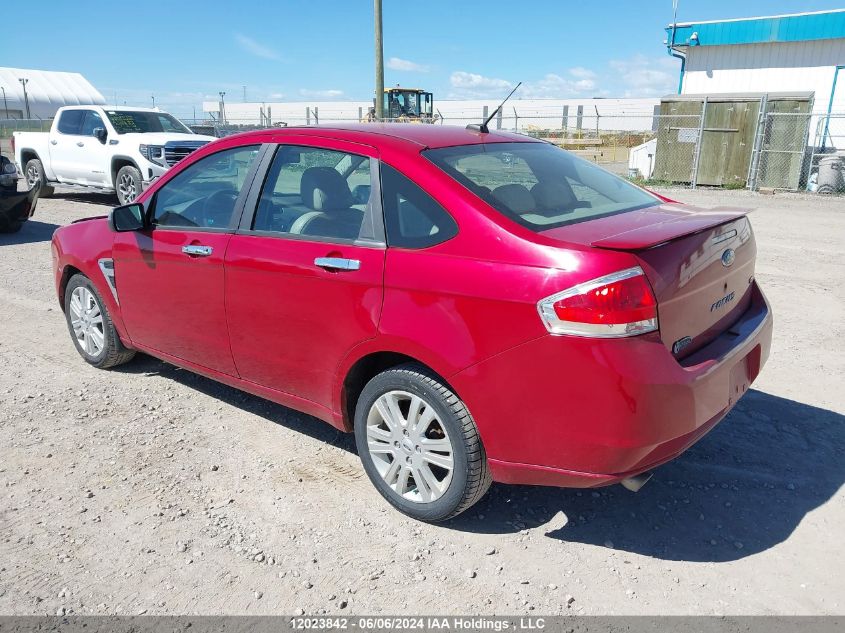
column 217, row 208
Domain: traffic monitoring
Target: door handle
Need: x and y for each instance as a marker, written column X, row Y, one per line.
column 54, row 142
column 80, row 144
column 337, row 263
column 197, row 250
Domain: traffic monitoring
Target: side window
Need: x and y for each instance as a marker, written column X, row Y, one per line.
column 204, row 194
column 90, row 122
column 412, row 218
column 313, row 192
column 70, row 121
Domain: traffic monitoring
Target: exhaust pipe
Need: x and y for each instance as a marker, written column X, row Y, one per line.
column 637, row 481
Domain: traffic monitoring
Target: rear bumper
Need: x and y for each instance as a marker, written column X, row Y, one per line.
column 574, row 412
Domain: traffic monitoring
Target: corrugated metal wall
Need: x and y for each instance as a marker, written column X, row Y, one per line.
column 788, row 66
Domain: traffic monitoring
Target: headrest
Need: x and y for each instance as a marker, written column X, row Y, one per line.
column 324, row 189
column 553, row 195
column 515, row 197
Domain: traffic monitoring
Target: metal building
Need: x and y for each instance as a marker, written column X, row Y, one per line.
column 803, row 52
column 37, row 94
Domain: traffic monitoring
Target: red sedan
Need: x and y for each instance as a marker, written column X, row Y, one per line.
column 473, row 306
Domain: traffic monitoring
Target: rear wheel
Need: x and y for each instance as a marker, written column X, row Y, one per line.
column 34, row 174
column 128, row 184
column 91, row 327
column 419, row 444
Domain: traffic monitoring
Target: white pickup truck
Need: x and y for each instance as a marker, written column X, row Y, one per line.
column 110, row 148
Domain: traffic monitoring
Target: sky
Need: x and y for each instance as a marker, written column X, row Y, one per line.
column 185, row 52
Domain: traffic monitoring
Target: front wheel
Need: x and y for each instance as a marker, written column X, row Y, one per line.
column 128, row 185
column 419, row 444
column 91, row 327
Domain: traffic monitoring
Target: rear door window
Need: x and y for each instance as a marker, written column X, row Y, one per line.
column 70, row 121
column 413, row 218
column 318, row 193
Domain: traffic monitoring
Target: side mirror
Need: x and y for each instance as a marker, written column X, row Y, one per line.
column 100, row 134
column 129, row 217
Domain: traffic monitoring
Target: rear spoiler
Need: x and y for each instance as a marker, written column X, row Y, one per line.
column 687, row 222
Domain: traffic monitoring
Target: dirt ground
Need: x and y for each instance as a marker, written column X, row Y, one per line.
column 151, row 490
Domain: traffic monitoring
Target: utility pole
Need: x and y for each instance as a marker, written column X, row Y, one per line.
column 379, row 63
column 222, row 108
column 5, row 103
column 25, row 96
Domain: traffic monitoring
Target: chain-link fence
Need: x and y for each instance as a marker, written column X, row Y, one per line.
column 780, row 149
column 826, row 162
column 701, row 146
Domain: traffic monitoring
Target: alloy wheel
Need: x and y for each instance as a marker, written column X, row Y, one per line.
column 126, row 188
column 86, row 319
column 409, row 446
column 32, row 176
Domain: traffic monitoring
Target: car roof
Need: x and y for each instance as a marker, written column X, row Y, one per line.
column 421, row 135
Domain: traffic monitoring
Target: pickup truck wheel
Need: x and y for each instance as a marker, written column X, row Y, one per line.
column 91, row 327
column 34, row 174
column 419, row 444
column 128, row 185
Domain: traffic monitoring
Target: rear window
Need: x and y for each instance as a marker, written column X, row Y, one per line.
column 539, row 185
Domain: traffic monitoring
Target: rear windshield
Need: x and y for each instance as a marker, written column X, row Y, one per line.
column 127, row 122
column 539, row 185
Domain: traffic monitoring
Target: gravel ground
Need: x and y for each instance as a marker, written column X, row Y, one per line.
column 151, row 490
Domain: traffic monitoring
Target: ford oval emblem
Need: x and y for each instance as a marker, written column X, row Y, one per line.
column 728, row 257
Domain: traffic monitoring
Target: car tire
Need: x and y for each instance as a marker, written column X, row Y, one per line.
column 90, row 325
column 34, row 174
column 127, row 184
column 390, row 448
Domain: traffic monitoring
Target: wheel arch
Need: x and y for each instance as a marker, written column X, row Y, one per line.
column 28, row 154
column 365, row 368
column 120, row 161
column 67, row 272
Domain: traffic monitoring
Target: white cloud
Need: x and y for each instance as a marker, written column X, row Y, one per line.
column 255, row 48
column 321, row 94
column 554, row 86
column 471, row 85
column 579, row 82
column 646, row 77
column 404, row 65
column 582, row 73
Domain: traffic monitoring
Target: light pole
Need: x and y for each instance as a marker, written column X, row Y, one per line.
column 222, row 108
column 5, row 103
column 379, row 63
column 25, row 96
column 153, row 97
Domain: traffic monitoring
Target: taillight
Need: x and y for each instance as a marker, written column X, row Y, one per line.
column 620, row 304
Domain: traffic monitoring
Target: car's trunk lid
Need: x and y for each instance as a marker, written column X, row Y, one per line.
column 700, row 264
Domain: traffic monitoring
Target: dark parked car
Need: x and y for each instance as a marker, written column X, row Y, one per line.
column 15, row 207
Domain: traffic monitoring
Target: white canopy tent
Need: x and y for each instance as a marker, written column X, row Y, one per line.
column 46, row 92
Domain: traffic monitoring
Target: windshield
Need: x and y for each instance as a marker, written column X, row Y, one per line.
column 128, row 122
column 539, row 185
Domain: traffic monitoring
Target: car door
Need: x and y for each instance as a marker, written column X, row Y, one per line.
column 63, row 145
column 170, row 277
column 304, row 272
column 91, row 157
